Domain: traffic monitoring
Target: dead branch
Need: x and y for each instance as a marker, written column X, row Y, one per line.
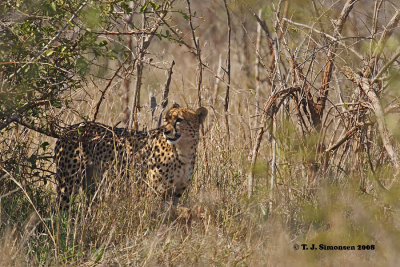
column 327, row 75
column 387, row 32
column 274, row 102
column 366, row 87
column 337, row 40
column 257, row 67
column 347, row 136
column 50, row 128
column 250, row 176
column 228, row 71
column 164, row 102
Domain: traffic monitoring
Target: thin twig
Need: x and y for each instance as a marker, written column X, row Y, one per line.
column 338, row 40
column 164, row 102
column 387, row 65
column 103, row 93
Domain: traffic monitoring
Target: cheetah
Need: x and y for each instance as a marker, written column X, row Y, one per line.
column 164, row 156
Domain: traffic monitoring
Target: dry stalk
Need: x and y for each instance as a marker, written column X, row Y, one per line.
column 273, row 163
column 217, row 80
column 196, row 42
column 199, row 72
column 164, row 102
column 228, row 72
column 273, row 123
column 387, row 65
column 250, row 175
column 140, row 50
column 257, row 67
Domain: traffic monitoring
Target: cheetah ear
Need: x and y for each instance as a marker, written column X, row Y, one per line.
column 175, row 105
column 202, row 114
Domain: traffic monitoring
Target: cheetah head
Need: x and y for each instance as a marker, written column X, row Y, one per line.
column 182, row 124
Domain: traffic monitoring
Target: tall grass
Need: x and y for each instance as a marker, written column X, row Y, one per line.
column 331, row 198
column 215, row 222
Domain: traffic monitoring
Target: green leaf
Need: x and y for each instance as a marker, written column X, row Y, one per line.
column 70, row 23
column 53, row 6
column 185, row 16
column 144, row 7
column 103, row 43
column 155, row 5
column 48, row 52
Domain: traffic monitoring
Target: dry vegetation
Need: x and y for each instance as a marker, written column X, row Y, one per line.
column 300, row 145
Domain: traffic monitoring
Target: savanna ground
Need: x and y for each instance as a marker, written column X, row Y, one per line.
column 300, row 145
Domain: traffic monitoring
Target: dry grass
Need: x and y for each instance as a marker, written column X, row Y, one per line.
column 319, row 198
column 216, row 224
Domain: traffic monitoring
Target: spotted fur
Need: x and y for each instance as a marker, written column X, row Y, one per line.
column 165, row 156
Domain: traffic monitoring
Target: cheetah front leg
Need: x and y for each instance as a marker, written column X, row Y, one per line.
column 66, row 189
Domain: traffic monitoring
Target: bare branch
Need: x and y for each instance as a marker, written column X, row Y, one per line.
column 387, row 65
column 387, row 32
column 103, row 93
column 327, row 75
column 338, row 40
column 228, row 72
column 164, row 102
column 365, row 85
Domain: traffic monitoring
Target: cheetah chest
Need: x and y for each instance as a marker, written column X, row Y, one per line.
column 169, row 171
